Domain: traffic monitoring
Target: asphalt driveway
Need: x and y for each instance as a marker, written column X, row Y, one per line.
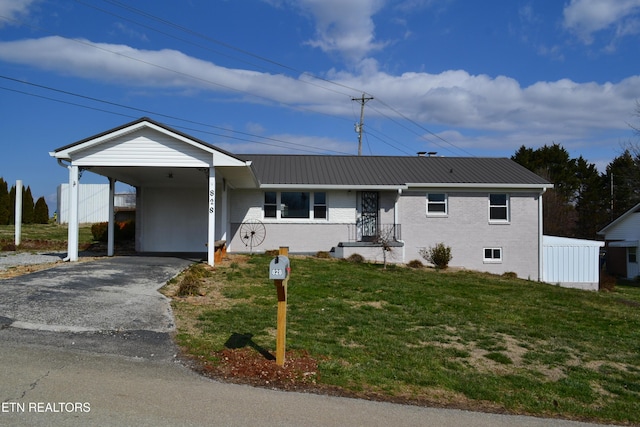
column 107, row 294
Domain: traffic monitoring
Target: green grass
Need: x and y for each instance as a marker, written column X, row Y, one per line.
column 459, row 338
column 42, row 236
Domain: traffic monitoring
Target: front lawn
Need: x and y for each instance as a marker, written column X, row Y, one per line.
column 448, row 338
column 42, row 236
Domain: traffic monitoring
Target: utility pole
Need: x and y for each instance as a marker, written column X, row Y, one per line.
column 363, row 100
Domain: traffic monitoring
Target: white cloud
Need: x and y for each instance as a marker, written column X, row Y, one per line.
column 454, row 99
column 586, row 17
column 344, row 27
column 13, row 10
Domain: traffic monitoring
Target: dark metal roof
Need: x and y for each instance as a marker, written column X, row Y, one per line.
column 388, row 170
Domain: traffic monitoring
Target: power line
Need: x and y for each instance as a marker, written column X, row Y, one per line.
column 296, row 145
column 279, row 64
column 245, row 52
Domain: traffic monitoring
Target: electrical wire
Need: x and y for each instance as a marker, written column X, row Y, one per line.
column 245, row 52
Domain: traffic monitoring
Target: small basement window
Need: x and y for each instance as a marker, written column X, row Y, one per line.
column 492, row 255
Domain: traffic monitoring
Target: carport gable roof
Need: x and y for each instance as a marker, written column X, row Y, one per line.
column 388, row 172
column 66, row 152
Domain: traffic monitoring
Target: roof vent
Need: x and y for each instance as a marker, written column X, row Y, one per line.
column 421, row 153
column 432, row 153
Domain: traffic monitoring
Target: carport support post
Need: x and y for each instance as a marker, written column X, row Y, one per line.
column 211, row 235
column 112, row 215
column 72, row 241
column 18, row 213
column 281, row 332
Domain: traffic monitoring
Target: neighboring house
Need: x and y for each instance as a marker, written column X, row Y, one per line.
column 622, row 244
column 93, row 203
column 191, row 194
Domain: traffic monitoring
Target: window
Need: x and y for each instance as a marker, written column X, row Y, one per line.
column 436, row 204
column 270, row 204
column 632, row 255
column 492, row 255
column 320, row 205
column 498, row 207
column 294, row 204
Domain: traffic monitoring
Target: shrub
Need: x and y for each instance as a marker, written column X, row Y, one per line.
column 416, row 263
column 356, row 258
column 509, row 275
column 439, row 256
column 323, row 254
column 191, row 280
column 124, row 230
column 99, row 231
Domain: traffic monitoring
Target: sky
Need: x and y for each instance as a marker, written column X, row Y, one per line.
column 456, row 77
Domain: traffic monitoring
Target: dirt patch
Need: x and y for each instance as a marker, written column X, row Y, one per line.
column 20, row 270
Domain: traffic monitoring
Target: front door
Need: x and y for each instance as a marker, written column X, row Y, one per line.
column 369, row 215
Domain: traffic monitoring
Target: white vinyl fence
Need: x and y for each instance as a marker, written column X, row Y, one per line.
column 571, row 263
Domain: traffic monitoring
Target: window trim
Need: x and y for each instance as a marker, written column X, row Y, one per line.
column 507, row 205
column 492, row 259
column 632, row 252
column 445, row 202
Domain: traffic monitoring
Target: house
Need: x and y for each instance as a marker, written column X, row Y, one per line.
column 622, row 244
column 190, row 195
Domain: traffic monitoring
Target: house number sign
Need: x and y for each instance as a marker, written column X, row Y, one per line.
column 212, row 201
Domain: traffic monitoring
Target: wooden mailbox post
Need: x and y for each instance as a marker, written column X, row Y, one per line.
column 279, row 270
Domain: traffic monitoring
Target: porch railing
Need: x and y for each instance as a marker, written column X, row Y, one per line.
column 360, row 232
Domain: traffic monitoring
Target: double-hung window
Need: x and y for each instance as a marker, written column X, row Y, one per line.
column 270, row 204
column 498, row 208
column 320, row 205
column 437, row 204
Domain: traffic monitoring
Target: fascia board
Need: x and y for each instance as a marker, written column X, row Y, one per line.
column 480, row 186
column 68, row 152
column 330, row 187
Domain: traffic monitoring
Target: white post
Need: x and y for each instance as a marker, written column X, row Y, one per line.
column 18, row 211
column 74, row 189
column 111, row 226
column 211, row 235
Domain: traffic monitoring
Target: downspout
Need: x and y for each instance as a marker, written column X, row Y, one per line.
column 396, row 216
column 540, row 238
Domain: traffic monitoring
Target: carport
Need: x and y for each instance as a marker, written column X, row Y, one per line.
column 181, row 184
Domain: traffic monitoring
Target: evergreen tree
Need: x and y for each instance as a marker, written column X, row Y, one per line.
column 41, row 212
column 554, row 164
column 12, row 204
column 592, row 201
column 624, row 170
column 27, row 206
column 5, row 205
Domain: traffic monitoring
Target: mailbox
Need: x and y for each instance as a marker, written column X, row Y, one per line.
column 279, row 268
